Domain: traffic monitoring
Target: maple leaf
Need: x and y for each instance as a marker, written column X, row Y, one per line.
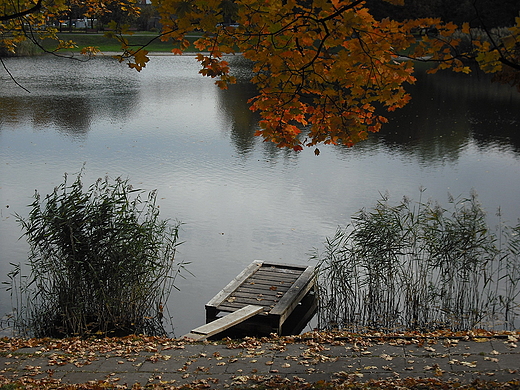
column 320, row 65
column 140, row 58
column 90, row 50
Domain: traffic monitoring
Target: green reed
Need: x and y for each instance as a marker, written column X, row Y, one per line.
column 23, row 49
column 416, row 265
column 101, row 261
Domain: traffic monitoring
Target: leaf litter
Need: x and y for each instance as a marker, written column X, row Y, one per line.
column 315, row 349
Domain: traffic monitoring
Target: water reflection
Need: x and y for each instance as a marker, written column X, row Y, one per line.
column 241, row 199
column 236, row 114
column 66, row 99
column 447, row 112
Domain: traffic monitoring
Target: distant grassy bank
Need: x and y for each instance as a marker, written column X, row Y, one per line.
column 105, row 44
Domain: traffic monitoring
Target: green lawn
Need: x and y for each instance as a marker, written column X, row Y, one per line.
column 105, row 44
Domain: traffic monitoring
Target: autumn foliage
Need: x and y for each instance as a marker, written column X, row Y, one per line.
column 38, row 21
column 327, row 71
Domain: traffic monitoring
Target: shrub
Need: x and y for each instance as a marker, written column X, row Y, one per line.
column 419, row 266
column 100, row 262
column 22, row 49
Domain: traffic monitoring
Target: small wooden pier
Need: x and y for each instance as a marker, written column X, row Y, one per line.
column 264, row 298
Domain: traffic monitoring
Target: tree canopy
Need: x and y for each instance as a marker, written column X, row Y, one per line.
column 326, row 70
column 41, row 20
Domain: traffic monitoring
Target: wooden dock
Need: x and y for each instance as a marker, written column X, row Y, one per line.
column 264, row 298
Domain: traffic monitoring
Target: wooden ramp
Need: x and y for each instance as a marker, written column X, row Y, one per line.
column 223, row 323
column 264, row 298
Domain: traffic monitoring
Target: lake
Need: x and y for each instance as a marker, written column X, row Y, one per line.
column 240, row 199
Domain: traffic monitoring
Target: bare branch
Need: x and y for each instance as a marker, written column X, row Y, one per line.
column 12, row 77
column 20, row 14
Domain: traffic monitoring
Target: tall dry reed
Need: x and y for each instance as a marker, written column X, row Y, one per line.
column 101, row 261
column 419, row 266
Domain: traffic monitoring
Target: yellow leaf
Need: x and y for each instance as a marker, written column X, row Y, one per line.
column 509, row 42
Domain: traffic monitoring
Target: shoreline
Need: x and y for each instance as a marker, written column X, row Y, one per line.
column 476, row 360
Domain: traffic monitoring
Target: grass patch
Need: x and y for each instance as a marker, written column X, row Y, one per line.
column 112, row 45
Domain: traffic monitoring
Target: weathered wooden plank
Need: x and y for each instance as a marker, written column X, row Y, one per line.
column 300, row 315
column 244, row 302
column 237, row 281
column 255, row 295
column 233, row 306
column 280, row 271
column 269, row 291
column 230, row 306
column 286, row 266
column 194, row 337
column 265, row 290
column 271, row 279
column 276, row 288
column 225, row 322
column 268, row 282
column 274, row 275
column 248, row 301
column 295, row 294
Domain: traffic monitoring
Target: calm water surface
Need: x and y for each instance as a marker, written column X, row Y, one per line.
column 240, row 199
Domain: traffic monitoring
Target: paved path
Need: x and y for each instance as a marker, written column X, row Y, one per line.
column 244, row 363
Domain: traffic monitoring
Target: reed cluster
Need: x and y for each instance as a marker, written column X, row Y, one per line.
column 419, row 266
column 101, row 262
column 23, row 49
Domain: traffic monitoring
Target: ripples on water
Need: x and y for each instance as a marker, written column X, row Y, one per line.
column 241, row 199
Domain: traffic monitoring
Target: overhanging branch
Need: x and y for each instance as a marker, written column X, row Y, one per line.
column 20, row 14
column 513, row 65
column 12, row 77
